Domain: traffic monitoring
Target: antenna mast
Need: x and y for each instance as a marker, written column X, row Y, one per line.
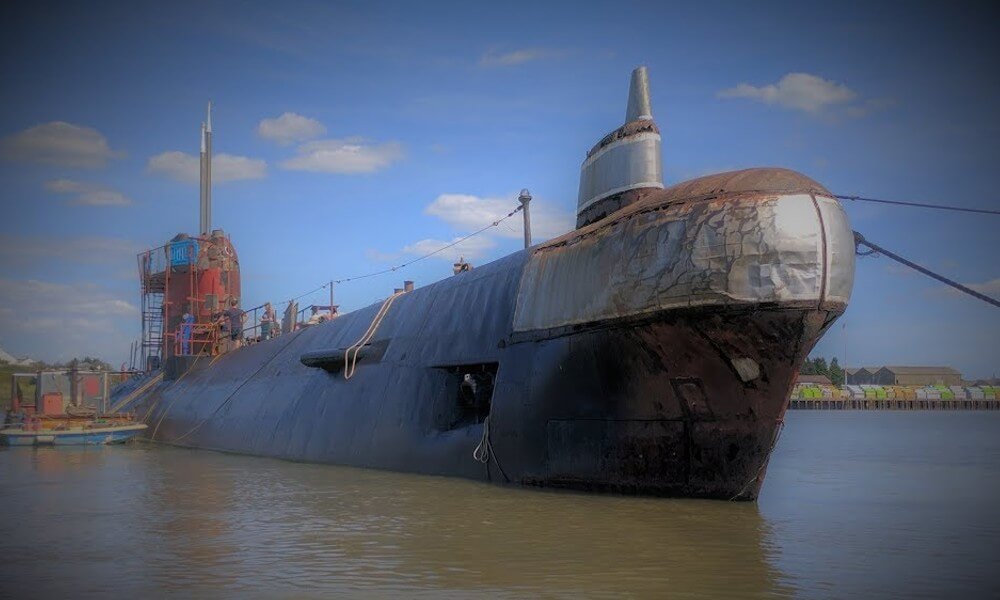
column 205, row 179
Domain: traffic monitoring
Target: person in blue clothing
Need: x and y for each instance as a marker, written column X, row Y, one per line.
column 187, row 327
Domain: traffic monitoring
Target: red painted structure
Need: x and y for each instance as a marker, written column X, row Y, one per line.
column 197, row 274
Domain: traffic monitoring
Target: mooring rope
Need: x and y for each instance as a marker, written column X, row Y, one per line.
column 984, row 211
column 232, row 394
column 763, row 464
column 484, row 450
column 859, row 240
column 169, row 404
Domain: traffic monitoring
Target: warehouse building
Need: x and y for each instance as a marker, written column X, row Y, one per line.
column 861, row 375
column 912, row 376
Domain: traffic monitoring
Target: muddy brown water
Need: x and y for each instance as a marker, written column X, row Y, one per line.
column 856, row 504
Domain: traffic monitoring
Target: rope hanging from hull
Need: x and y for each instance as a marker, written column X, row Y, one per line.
column 351, row 354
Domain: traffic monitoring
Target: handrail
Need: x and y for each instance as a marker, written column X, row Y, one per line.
column 198, row 341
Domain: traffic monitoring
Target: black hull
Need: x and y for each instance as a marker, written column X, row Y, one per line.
column 652, row 353
column 652, row 406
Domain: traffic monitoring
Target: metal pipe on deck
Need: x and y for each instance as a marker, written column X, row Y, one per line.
column 525, row 199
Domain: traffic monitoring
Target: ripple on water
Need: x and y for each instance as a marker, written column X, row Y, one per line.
column 164, row 521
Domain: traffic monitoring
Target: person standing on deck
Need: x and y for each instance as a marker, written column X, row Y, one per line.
column 234, row 317
column 187, row 326
column 267, row 322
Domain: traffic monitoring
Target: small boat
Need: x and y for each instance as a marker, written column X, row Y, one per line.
column 90, row 433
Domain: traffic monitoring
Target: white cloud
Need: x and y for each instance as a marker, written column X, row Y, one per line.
column 58, row 143
column 290, row 127
column 493, row 58
column 989, row 288
column 471, row 249
column 87, row 194
column 344, row 156
column 49, row 320
column 184, row 167
column 27, row 250
column 468, row 213
column 797, row 91
column 41, row 298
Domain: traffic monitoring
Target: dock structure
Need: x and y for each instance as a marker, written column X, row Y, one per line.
column 810, row 395
column 891, row 404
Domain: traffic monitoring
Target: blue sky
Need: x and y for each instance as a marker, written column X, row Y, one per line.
column 409, row 124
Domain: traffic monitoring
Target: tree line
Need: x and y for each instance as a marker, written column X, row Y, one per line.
column 87, row 362
column 818, row 366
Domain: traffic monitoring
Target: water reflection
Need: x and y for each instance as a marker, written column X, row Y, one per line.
column 199, row 522
column 856, row 504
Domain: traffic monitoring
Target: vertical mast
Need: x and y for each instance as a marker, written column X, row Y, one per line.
column 202, row 217
column 205, row 178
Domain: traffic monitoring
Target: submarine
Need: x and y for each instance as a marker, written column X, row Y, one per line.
column 651, row 350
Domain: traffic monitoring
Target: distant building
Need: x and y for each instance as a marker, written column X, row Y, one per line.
column 904, row 376
column 814, row 379
column 861, row 375
column 7, row 358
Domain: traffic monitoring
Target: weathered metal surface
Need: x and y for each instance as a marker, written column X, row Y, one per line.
column 629, row 158
column 639, row 105
column 669, row 254
column 626, row 164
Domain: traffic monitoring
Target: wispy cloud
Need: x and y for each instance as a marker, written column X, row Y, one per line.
column 290, row 127
column 496, row 58
column 49, row 298
column 184, row 167
column 344, row 156
column 468, row 213
column 804, row 92
column 58, row 143
column 59, row 320
column 87, row 250
column 990, row 288
column 87, row 194
column 472, row 249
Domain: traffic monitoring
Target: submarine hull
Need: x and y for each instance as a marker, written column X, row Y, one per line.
column 658, row 407
column 651, row 353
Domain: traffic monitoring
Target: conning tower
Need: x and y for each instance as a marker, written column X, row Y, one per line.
column 626, row 164
column 196, row 274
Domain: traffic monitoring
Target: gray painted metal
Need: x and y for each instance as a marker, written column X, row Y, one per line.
column 639, row 105
column 205, row 176
column 525, row 199
column 629, row 158
column 630, row 163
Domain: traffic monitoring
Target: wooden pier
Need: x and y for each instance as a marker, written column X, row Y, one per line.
column 891, row 404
